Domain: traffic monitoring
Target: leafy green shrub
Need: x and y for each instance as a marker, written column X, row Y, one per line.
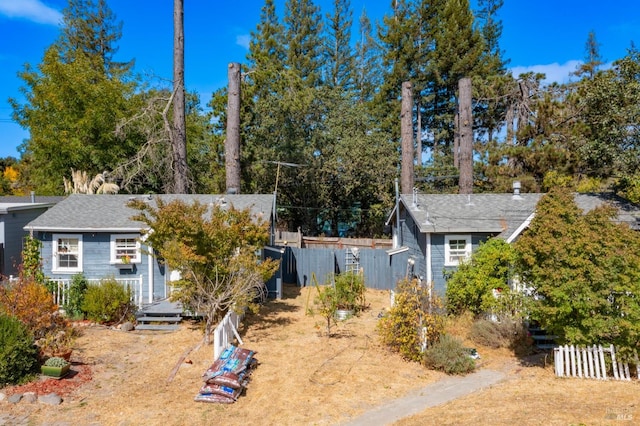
column 350, row 291
column 108, row 302
column 414, row 320
column 18, row 354
column 77, row 290
column 448, row 354
column 471, row 286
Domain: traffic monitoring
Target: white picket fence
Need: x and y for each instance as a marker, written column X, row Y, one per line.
column 61, row 289
column 591, row 362
column 224, row 333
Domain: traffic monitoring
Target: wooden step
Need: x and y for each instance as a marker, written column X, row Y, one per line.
column 151, row 318
column 546, row 346
column 158, row 327
column 543, row 337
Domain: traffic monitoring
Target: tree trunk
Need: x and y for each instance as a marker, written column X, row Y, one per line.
column 419, row 135
column 466, row 137
column 232, row 143
column 179, row 131
column 456, row 139
column 406, row 130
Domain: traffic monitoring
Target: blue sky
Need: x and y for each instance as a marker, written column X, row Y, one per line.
column 543, row 36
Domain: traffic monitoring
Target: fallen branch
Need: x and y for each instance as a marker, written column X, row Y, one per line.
column 181, row 360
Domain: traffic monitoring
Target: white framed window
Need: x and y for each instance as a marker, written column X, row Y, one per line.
column 456, row 249
column 67, row 253
column 125, row 249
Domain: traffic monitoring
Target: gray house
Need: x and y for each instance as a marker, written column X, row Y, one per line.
column 440, row 230
column 15, row 213
column 94, row 235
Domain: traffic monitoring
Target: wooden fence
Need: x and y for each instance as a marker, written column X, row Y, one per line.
column 592, row 362
column 224, row 333
column 61, row 289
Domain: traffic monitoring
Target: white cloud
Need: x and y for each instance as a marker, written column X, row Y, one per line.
column 242, row 40
column 558, row 73
column 32, row 10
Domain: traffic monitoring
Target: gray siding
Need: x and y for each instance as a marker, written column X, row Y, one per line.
column 95, row 263
column 437, row 259
column 416, row 242
column 12, row 236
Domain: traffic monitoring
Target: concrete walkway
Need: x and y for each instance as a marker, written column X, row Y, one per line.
column 437, row 393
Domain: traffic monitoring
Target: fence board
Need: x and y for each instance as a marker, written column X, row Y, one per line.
column 381, row 270
column 589, row 362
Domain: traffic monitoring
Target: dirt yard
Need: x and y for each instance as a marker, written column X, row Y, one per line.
column 303, row 378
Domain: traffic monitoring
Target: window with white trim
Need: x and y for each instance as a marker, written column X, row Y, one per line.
column 125, row 248
column 456, row 249
column 67, row 253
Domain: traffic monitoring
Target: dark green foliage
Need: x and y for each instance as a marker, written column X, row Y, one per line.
column 108, row 302
column 75, row 299
column 448, row 354
column 18, row 354
column 73, row 101
column 586, row 268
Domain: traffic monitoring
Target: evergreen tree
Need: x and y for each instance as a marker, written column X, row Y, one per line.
column 368, row 69
column 592, row 59
column 74, row 99
column 339, row 58
column 90, row 28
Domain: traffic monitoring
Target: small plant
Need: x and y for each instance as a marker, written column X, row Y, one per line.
column 448, row 354
column 108, row 302
column 326, row 305
column 18, row 354
column 75, row 299
column 57, row 342
column 56, row 361
column 350, row 291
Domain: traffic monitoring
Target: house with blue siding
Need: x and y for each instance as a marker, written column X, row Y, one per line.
column 95, row 235
column 441, row 230
column 15, row 213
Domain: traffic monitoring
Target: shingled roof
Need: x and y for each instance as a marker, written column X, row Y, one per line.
column 501, row 214
column 110, row 213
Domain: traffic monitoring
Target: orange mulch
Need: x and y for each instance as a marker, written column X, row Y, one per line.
column 78, row 375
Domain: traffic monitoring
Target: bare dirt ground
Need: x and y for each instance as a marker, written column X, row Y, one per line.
column 304, row 378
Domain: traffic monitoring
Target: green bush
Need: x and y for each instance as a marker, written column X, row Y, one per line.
column 471, row 286
column 18, row 354
column 75, row 299
column 108, row 302
column 415, row 310
column 448, row 354
column 350, row 291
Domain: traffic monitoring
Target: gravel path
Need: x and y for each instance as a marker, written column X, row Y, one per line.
column 437, row 393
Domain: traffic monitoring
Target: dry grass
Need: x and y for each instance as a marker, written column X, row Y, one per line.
column 304, row 378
